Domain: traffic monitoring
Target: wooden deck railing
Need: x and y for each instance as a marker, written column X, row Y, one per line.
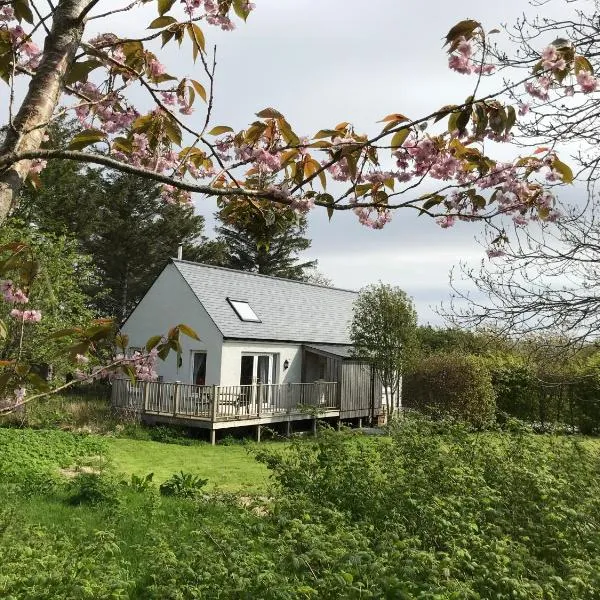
column 222, row 403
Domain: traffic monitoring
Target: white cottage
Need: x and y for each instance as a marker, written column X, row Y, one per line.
column 255, row 330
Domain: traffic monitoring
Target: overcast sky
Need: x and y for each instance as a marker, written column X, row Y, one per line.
column 324, row 61
column 321, row 62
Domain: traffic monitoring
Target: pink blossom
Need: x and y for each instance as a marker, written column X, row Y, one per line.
column 464, row 47
column 587, row 82
column 520, row 220
column 484, row 69
column 168, row 98
column 552, row 59
column 523, row 108
column 569, row 90
column 37, row 165
column 537, row 91
column 155, row 68
column 461, row 64
column 186, row 110
column 495, row 252
column 81, row 359
column 280, row 192
column 446, row 221
column 19, row 394
column 6, row 14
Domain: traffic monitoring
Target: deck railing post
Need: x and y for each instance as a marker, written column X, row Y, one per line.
column 214, row 404
column 146, row 397
column 176, row 399
column 258, row 399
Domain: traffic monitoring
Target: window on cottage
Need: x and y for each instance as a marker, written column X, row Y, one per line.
column 199, row 368
column 243, row 310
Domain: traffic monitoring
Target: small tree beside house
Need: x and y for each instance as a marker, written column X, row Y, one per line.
column 383, row 330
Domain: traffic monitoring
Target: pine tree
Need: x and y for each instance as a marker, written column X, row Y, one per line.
column 265, row 243
column 119, row 220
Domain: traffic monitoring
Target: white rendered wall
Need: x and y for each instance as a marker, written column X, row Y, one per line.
column 170, row 301
column 233, row 350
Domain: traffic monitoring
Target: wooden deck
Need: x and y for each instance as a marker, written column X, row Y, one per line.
column 221, row 407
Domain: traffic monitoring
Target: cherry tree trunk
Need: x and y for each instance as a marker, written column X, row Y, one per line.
column 28, row 127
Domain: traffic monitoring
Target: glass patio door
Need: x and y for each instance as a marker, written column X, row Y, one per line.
column 258, row 369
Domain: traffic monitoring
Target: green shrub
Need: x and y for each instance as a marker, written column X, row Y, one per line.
column 140, row 483
column 183, row 485
column 92, row 488
column 451, row 384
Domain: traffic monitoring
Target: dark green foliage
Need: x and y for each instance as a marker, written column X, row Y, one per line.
column 431, row 512
column 182, row 485
column 267, row 244
column 58, row 291
column 92, row 488
column 383, row 331
column 451, row 384
column 119, row 220
column 139, row 483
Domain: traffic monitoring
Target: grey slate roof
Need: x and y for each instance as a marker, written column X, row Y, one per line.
column 336, row 350
column 289, row 310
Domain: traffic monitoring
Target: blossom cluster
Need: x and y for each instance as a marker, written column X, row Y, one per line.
column 27, row 316
column 461, row 60
column 28, row 52
column 213, row 14
column 12, row 294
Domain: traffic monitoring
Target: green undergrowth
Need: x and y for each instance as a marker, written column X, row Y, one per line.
column 433, row 511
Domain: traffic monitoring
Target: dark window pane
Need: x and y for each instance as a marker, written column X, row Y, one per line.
column 199, row 374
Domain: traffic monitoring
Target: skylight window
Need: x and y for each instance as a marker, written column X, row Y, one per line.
column 243, row 310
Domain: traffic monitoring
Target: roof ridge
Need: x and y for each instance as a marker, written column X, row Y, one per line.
column 319, row 285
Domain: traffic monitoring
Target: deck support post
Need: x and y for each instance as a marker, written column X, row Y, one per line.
column 288, row 428
column 360, row 422
column 339, row 425
column 314, row 427
column 213, row 437
column 258, row 430
column 176, row 399
column 214, row 404
column 146, row 397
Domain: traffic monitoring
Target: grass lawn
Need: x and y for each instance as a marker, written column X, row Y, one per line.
column 230, row 468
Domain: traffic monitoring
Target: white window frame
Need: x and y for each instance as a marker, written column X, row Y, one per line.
column 192, row 355
column 273, row 364
column 239, row 305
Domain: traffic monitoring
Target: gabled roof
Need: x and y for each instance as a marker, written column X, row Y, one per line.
column 288, row 310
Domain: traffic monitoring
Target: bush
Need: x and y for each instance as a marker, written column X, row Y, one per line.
column 183, row 485
column 451, row 384
column 92, row 488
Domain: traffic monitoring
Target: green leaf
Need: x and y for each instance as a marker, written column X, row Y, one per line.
column 464, row 29
column 199, row 89
column 187, row 330
column 173, row 131
column 87, row 138
column 79, row 71
column 219, row 129
column 564, row 170
column 511, row 118
column 269, row 113
column 160, row 22
column 197, row 37
column 432, row 201
column 164, row 6
column 325, row 133
column 22, row 10
column 463, row 119
column 153, row 342
column 581, row 63
column 240, row 9
column 399, row 138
